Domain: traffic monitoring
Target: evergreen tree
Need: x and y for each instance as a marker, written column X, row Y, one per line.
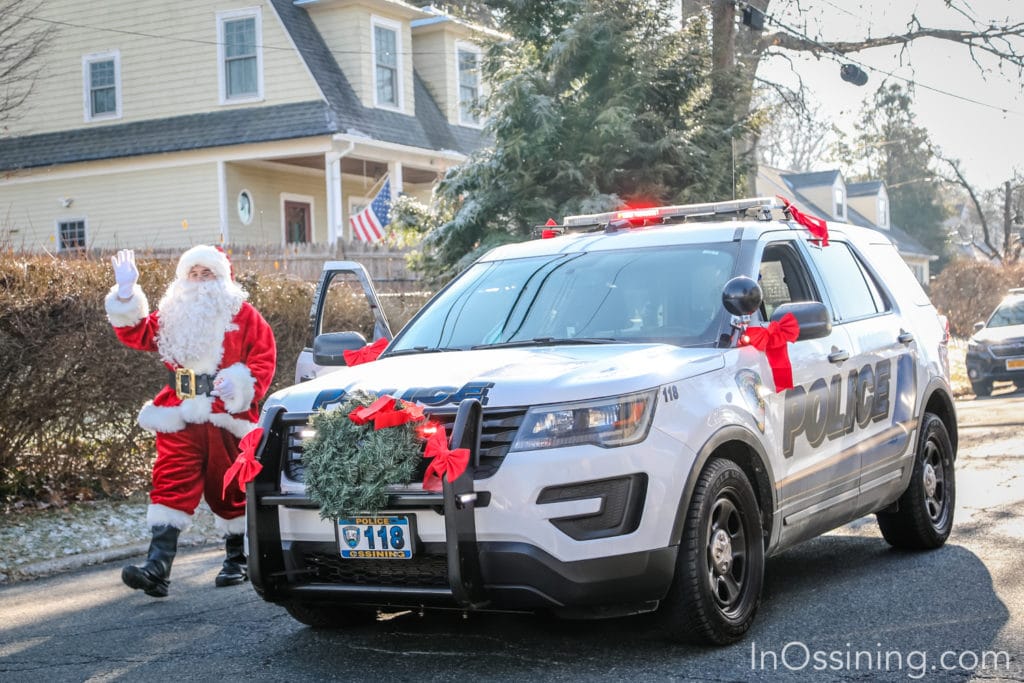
column 593, row 104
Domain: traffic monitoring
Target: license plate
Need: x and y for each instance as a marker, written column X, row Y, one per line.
column 375, row 538
column 1015, row 364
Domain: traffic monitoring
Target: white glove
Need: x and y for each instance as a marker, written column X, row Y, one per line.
column 223, row 387
column 126, row 274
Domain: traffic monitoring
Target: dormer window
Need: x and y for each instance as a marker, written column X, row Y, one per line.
column 468, row 66
column 101, row 74
column 240, row 56
column 386, row 65
column 840, row 203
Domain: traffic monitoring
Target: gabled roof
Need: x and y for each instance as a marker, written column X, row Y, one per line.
column 341, row 113
column 814, row 179
column 865, row 189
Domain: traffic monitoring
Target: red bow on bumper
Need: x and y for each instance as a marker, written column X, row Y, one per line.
column 817, row 226
column 384, row 413
column 772, row 340
column 246, row 466
column 445, row 461
column 365, row 354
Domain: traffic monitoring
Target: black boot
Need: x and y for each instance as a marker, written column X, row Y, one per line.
column 233, row 572
column 154, row 575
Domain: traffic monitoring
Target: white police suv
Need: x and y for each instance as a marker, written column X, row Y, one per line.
column 630, row 450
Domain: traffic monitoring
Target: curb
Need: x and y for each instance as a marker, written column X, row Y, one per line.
column 60, row 565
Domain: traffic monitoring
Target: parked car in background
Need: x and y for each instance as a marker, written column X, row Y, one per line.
column 995, row 352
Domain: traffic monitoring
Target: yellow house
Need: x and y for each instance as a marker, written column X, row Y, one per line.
column 243, row 122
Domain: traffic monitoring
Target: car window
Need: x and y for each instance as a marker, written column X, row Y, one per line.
column 783, row 277
column 1008, row 313
column 851, row 287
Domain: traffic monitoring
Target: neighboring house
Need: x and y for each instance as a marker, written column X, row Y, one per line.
column 243, row 122
column 827, row 195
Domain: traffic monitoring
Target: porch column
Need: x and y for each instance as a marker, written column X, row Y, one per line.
column 332, row 176
column 395, row 172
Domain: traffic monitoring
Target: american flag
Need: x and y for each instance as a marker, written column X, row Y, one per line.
column 368, row 225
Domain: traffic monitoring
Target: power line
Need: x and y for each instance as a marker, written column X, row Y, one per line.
column 841, row 57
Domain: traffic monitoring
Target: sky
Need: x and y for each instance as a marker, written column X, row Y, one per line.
column 973, row 114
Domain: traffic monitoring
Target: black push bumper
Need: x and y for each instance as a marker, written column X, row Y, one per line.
column 460, row 573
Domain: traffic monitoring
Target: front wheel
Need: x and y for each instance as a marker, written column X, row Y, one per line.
column 330, row 616
column 924, row 515
column 982, row 388
column 720, row 569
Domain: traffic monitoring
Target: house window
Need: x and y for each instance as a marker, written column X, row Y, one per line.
column 101, row 77
column 386, row 72
column 840, row 211
column 883, row 212
column 71, row 235
column 468, row 60
column 241, row 56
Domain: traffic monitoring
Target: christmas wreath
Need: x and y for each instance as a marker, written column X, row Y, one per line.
column 350, row 464
column 368, row 444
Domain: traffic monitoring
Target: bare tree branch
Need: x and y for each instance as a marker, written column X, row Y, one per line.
column 961, row 180
column 22, row 41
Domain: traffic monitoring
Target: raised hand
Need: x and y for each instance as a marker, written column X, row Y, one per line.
column 126, row 274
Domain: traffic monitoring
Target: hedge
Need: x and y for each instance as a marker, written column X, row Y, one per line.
column 70, row 393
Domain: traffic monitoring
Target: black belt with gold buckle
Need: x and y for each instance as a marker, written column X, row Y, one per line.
column 187, row 384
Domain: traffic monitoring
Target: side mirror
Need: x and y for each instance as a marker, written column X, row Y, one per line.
column 812, row 316
column 978, row 326
column 329, row 348
column 741, row 295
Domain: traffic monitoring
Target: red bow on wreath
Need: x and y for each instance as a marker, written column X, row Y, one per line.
column 365, row 354
column 772, row 340
column 817, row 226
column 246, row 466
column 384, row 413
column 445, row 461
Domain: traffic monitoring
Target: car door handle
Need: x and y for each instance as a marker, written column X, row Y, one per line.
column 838, row 355
column 905, row 337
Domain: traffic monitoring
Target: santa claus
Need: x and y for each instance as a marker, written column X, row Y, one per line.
column 220, row 356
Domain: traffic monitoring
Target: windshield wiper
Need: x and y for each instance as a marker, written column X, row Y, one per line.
column 420, row 349
column 548, row 341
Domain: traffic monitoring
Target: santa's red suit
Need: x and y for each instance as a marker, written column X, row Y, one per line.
column 197, row 437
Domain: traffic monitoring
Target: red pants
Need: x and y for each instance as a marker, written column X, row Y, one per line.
column 190, row 464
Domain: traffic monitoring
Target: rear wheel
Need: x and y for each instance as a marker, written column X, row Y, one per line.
column 924, row 515
column 330, row 616
column 720, row 569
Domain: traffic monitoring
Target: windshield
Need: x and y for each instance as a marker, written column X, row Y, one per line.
column 669, row 294
column 1008, row 314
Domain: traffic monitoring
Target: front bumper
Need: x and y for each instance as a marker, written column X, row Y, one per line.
column 460, row 572
column 986, row 367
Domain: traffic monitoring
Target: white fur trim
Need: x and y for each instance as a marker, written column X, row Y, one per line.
column 237, row 427
column 126, row 313
column 244, row 384
column 160, row 418
column 161, row 515
column 231, row 527
column 196, row 410
column 204, row 255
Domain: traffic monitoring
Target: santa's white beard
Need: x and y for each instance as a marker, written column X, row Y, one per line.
column 193, row 319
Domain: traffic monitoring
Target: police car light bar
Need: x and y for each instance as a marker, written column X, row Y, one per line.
column 765, row 204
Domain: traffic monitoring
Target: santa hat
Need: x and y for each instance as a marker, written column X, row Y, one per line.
column 213, row 258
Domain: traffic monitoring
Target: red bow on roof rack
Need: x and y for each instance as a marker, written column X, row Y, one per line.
column 817, row 226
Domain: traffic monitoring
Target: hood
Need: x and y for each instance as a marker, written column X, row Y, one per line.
column 996, row 335
column 507, row 377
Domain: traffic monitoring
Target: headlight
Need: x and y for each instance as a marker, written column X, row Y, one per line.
column 605, row 422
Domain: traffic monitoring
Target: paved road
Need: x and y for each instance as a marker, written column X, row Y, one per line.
column 844, row 607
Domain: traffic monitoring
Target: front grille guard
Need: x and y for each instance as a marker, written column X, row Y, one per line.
column 458, row 499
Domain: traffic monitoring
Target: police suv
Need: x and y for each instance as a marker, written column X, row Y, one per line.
column 630, row 450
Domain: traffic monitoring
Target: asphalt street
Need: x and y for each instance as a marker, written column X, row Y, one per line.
column 843, row 607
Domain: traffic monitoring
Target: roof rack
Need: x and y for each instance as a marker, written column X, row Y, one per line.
column 761, row 207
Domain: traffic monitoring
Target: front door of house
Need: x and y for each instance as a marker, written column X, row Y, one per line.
column 297, row 228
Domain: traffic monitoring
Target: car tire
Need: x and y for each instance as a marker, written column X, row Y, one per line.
column 330, row 616
column 1018, row 384
column 923, row 517
column 720, row 568
column 982, row 388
